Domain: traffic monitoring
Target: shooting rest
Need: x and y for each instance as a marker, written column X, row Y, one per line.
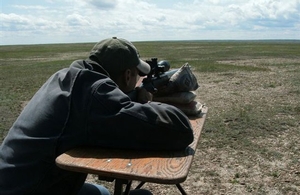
column 125, row 166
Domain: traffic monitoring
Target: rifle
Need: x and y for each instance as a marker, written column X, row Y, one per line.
column 158, row 76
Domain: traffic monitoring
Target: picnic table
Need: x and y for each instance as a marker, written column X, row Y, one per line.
column 125, row 166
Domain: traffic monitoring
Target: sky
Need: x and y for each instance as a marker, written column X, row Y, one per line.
column 76, row 21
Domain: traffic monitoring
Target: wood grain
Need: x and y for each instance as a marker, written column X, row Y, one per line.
column 152, row 166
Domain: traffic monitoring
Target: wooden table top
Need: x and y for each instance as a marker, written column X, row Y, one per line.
column 163, row 167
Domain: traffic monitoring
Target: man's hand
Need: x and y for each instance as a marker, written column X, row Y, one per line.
column 143, row 96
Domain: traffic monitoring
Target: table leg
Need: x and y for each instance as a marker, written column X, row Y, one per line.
column 181, row 189
column 128, row 186
column 140, row 185
column 119, row 187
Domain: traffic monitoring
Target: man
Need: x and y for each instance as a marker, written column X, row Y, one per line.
column 87, row 104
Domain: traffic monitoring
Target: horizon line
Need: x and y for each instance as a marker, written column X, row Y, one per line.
column 183, row 40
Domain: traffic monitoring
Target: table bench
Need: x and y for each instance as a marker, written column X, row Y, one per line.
column 125, row 166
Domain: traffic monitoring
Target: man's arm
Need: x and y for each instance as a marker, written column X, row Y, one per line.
column 115, row 121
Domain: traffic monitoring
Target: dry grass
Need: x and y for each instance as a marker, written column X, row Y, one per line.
column 255, row 150
column 250, row 142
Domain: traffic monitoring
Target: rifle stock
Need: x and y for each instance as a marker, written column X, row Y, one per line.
column 156, row 82
column 158, row 77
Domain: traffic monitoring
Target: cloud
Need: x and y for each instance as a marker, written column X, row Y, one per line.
column 91, row 20
column 12, row 22
column 102, row 4
column 29, row 7
column 77, row 20
column 215, row 14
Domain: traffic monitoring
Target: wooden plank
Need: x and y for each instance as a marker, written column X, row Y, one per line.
column 152, row 166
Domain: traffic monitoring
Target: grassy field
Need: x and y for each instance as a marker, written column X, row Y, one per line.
column 250, row 143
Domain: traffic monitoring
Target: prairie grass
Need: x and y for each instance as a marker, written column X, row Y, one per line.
column 250, row 142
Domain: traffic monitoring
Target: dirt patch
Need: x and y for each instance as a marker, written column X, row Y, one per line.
column 253, row 145
column 258, row 159
column 261, row 61
column 57, row 56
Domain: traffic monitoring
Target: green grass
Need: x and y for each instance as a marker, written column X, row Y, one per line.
column 24, row 68
column 252, row 90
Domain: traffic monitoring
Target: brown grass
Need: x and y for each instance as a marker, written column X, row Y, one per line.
column 250, row 142
column 235, row 157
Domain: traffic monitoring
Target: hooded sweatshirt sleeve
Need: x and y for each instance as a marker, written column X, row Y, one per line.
column 117, row 122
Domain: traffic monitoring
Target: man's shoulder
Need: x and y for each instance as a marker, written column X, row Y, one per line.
column 78, row 64
column 84, row 76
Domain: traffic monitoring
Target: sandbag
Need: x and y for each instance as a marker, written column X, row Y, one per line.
column 177, row 97
column 192, row 108
column 182, row 80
